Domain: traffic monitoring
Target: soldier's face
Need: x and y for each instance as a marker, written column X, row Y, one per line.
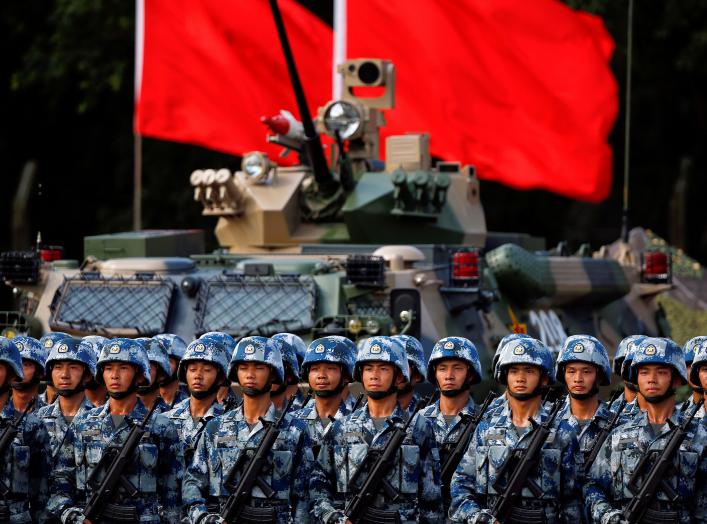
column 4, row 375
column 201, row 376
column 655, row 380
column 703, row 376
column 173, row 363
column 67, row 374
column 253, row 374
column 118, row 376
column 580, row 377
column 451, row 374
column 29, row 368
column 324, row 376
column 523, row 378
column 379, row 376
column 154, row 370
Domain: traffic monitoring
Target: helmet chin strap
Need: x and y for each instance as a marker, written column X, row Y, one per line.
column 26, row 386
column 657, row 399
column 120, row 395
column 146, row 390
column 258, row 392
column 451, row 393
column 70, row 392
column 169, row 380
column 406, row 389
column 280, row 389
column 328, row 393
column 213, row 389
column 584, row 396
column 538, row 391
column 631, row 386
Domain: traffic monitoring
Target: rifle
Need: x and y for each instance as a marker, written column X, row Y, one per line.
column 457, row 453
column 119, row 457
column 8, row 435
column 604, row 433
column 375, row 481
column 527, row 460
column 241, row 492
column 655, row 480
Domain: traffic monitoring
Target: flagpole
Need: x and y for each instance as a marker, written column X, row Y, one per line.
column 137, row 138
column 339, row 47
column 627, row 122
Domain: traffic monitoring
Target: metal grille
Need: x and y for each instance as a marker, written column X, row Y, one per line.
column 21, row 267
column 264, row 305
column 116, row 306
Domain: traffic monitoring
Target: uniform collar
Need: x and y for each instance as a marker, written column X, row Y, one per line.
column 182, row 410
column 54, row 409
column 9, row 412
column 136, row 415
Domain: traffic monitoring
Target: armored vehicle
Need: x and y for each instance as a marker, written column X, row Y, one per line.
column 356, row 244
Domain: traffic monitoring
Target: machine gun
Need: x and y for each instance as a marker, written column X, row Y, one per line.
column 8, row 435
column 114, row 461
column 604, row 433
column 457, row 453
column 523, row 463
column 235, row 508
column 655, row 479
column 360, row 505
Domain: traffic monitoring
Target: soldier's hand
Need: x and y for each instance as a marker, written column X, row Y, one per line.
column 211, row 518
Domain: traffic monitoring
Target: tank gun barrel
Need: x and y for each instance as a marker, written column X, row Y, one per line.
column 312, row 143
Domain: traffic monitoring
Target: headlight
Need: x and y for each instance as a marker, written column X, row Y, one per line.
column 343, row 117
column 256, row 167
column 355, row 326
column 372, row 326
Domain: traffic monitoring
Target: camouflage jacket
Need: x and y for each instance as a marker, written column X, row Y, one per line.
column 53, row 419
column 630, row 410
column 415, row 474
column 224, row 439
column 298, row 400
column 190, row 431
column 179, row 397
column 606, row 491
column 587, row 435
column 156, row 469
column 25, row 467
column 472, row 488
column 313, row 424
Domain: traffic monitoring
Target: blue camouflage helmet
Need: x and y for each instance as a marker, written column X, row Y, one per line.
column 297, row 343
column 584, row 348
column 124, row 350
column 49, row 339
column 74, row 350
column 174, row 344
column 699, row 361
column 382, row 349
column 626, row 346
column 257, row 349
column 662, row 351
column 157, row 353
column 690, row 348
column 455, row 347
column 226, row 340
column 32, row 349
column 525, row 351
column 204, row 351
column 10, row 355
column 631, row 348
column 289, row 351
column 415, row 353
column 95, row 342
column 333, row 348
column 505, row 340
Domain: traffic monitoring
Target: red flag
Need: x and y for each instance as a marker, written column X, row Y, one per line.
column 523, row 90
column 212, row 68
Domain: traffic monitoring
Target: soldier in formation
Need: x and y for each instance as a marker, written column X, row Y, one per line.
column 160, row 372
column 229, row 441
column 657, row 368
column 25, row 392
column 149, row 490
column 95, row 391
column 172, row 390
column 407, row 397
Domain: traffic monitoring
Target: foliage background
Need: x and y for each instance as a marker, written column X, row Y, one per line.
column 66, row 91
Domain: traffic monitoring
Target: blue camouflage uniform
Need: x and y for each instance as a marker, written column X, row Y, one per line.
column 415, row 474
column 190, row 431
column 156, row 470
column 26, row 467
column 473, row 488
column 57, row 426
column 226, row 437
column 157, row 466
column 223, row 440
column 606, row 491
column 586, row 435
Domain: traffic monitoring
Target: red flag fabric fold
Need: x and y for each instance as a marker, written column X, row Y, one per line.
column 523, row 90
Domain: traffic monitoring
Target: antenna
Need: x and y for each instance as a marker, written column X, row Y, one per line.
column 627, row 123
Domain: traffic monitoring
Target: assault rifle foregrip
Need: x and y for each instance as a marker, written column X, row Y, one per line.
column 114, row 476
column 527, row 460
column 654, row 480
